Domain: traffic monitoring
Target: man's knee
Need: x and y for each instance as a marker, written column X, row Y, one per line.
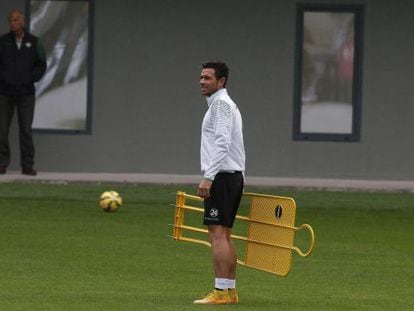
column 217, row 233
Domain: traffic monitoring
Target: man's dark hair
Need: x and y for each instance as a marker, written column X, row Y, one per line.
column 221, row 70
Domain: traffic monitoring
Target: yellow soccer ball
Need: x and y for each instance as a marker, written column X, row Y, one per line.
column 110, row 201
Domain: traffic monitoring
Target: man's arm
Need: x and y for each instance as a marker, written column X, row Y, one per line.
column 222, row 126
column 2, row 73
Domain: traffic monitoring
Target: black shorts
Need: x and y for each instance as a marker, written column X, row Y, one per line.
column 225, row 195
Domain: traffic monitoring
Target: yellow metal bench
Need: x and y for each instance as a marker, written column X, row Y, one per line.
column 270, row 231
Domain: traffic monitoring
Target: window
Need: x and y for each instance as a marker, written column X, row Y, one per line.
column 327, row 99
column 63, row 96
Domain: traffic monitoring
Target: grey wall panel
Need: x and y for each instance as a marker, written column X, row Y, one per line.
column 147, row 109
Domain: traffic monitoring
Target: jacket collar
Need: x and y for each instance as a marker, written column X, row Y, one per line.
column 12, row 34
column 212, row 97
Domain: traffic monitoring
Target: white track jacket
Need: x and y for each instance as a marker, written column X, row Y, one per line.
column 222, row 147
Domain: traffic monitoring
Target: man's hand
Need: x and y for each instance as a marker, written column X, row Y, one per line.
column 203, row 190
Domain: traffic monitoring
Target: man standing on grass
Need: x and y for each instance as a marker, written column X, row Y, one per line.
column 22, row 62
column 223, row 164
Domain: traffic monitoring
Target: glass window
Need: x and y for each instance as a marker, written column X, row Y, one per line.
column 328, row 73
column 63, row 95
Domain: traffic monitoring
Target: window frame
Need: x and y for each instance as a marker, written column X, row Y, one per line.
column 357, row 11
column 89, row 91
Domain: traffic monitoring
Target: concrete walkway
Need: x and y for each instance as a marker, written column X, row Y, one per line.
column 307, row 183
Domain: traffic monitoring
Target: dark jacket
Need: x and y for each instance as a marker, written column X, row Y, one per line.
column 20, row 68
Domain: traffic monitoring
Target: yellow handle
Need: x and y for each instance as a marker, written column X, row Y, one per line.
column 312, row 244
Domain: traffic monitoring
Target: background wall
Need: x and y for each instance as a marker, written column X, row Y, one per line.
column 147, row 109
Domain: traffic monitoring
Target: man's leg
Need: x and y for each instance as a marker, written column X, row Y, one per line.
column 233, row 255
column 6, row 116
column 231, row 280
column 223, row 252
column 25, row 112
column 222, row 257
column 224, row 201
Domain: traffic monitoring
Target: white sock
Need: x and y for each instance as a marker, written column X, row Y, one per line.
column 231, row 283
column 220, row 283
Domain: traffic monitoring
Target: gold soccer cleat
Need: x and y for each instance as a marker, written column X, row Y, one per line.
column 233, row 297
column 216, row 297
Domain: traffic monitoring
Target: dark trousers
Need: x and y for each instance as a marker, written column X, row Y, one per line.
column 25, row 111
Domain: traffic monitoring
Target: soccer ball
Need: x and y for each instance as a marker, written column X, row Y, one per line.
column 110, row 201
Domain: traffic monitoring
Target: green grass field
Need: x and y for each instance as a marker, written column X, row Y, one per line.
column 59, row 251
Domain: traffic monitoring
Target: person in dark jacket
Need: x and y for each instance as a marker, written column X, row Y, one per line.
column 22, row 62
